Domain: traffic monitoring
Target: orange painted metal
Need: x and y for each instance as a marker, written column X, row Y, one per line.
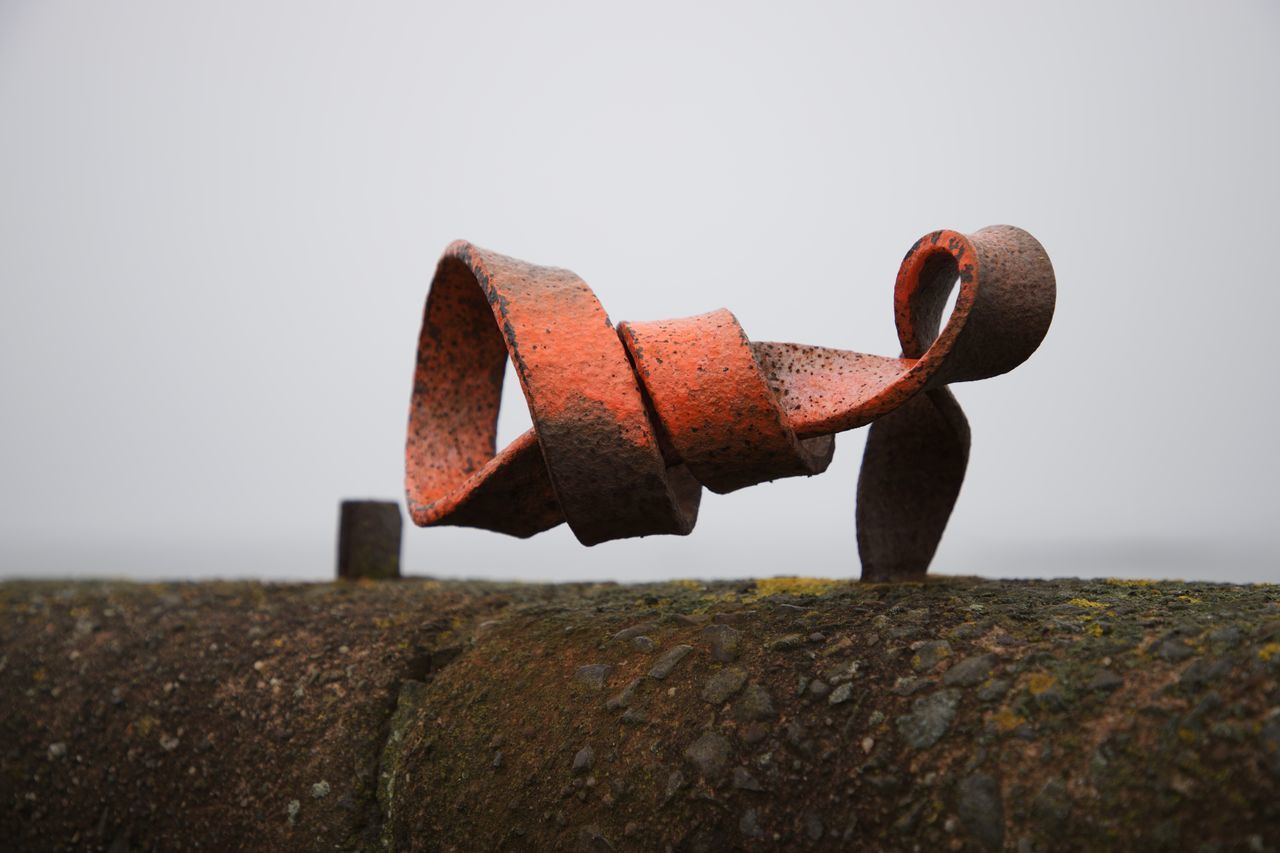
column 630, row 423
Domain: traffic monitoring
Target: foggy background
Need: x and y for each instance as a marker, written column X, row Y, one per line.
column 218, row 223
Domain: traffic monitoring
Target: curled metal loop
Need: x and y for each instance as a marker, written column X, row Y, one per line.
column 630, row 423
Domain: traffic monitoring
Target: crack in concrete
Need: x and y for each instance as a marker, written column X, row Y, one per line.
column 402, row 710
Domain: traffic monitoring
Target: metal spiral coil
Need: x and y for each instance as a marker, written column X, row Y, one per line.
column 629, row 423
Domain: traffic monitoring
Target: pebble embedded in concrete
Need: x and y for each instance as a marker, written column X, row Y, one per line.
column 929, row 719
column 840, row 695
column 722, row 686
column 755, row 704
column 970, row 672
column 724, row 642
column 593, row 675
column 667, row 662
column 710, row 754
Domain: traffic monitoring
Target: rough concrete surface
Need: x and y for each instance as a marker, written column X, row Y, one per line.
column 778, row 714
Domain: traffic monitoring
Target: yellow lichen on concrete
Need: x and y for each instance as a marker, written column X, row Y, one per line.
column 1084, row 602
column 766, row 587
column 1005, row 720
column 1039, row 682
column 685, row 583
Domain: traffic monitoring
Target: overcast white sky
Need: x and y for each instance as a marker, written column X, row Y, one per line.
column 218, row 222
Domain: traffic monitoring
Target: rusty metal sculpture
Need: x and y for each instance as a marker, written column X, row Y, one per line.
column 630, row 423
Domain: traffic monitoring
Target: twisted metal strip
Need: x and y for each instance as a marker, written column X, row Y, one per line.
column 630, row 423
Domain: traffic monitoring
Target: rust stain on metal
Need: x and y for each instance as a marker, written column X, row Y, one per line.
column 629, row 423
